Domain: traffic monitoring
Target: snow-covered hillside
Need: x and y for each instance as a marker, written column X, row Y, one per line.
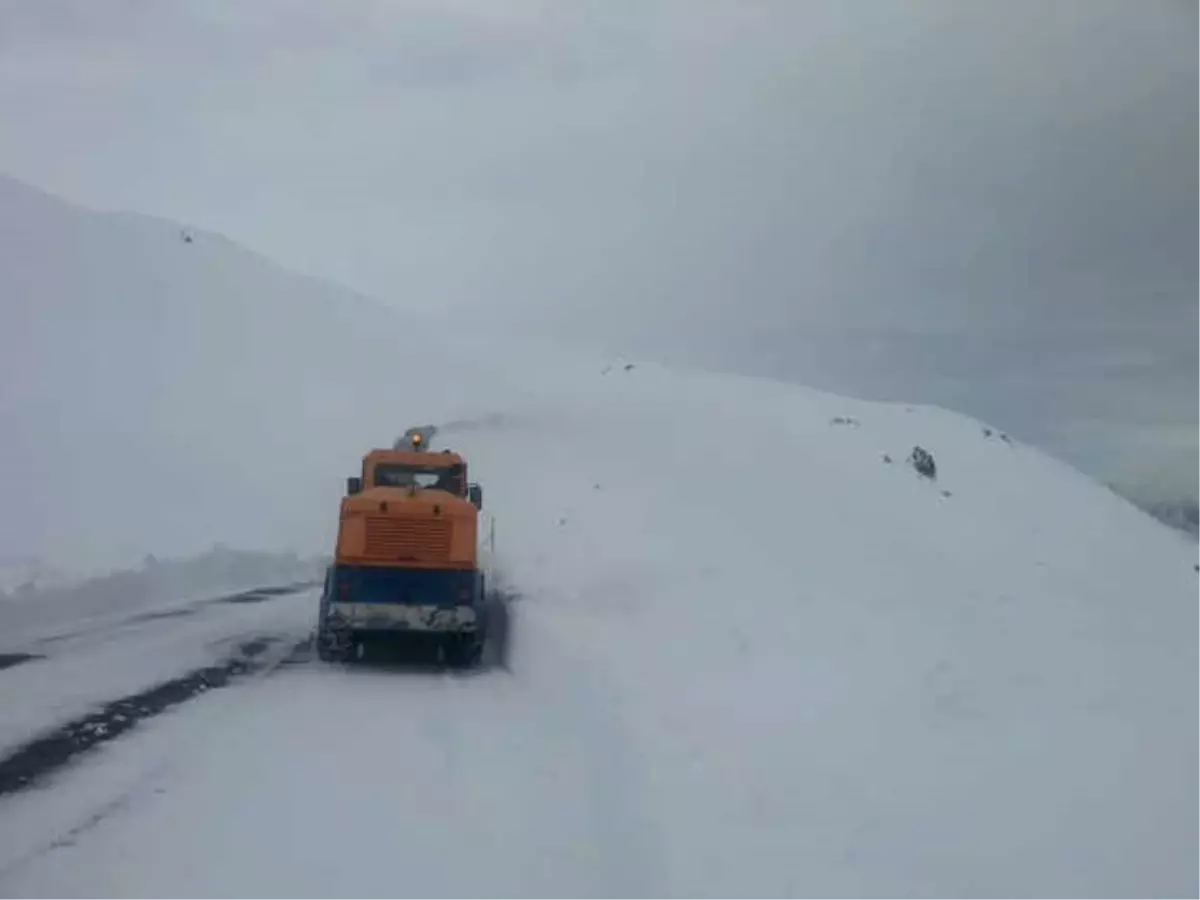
column 754, row 651
column 163, row 390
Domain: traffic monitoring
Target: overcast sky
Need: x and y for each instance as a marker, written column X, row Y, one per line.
column 989, row 205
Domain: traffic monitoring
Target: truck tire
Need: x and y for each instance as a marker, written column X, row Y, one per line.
column 331, row 647
column 463, row 651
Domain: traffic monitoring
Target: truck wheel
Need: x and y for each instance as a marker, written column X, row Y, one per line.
column 463, row 652
column 331, row 647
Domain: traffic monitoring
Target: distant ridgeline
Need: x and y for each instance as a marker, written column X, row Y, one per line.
column 1181, row 514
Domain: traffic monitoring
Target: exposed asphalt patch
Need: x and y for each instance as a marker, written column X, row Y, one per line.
column 251, row 649
column 286, row 588
column 161, row 614
column 260, row 595
column 8, row 660
column 44, row 755
column 248, row 597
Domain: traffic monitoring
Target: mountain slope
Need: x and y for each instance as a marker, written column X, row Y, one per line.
column 159, row 395
column 751, row 654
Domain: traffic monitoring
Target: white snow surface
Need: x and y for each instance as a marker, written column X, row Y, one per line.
column 750, row 657
column 768, row 665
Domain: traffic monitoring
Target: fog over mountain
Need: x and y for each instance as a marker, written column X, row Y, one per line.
column 986, row 206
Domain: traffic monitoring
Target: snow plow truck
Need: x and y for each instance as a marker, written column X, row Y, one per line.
column 406, row 571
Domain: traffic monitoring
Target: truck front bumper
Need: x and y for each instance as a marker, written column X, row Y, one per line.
column 401, row 617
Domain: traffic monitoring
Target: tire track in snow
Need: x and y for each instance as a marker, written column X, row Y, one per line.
column 533, row 775
column 581, row 734
column 586, row 714
column 44, row 755
column 45, row 686
column 68, row 837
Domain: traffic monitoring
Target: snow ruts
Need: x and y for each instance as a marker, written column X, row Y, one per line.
column 49, row 752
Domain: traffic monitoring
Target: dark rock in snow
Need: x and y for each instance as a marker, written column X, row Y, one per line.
column 922, row 460
column 887, row 458
column 844, row 420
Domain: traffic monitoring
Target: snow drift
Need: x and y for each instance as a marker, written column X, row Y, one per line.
column 755, row 652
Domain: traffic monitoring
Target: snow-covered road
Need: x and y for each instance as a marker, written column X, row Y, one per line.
column 317, row 780
column 781, row 664
column 101, row 659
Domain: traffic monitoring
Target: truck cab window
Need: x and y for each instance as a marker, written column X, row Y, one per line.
column 448, row 478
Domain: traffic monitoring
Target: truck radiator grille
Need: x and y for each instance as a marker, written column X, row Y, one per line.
column 408, row 539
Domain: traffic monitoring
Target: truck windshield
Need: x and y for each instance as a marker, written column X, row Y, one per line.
column 447, row 478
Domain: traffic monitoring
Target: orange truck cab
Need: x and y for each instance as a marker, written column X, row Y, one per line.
column 406, row 565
